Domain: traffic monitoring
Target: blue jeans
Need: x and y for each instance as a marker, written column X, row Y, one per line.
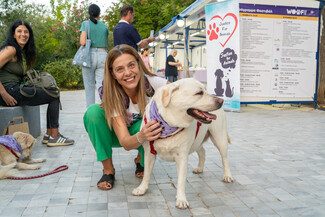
column 94, row 74
column 40, row 98
column 171, row 78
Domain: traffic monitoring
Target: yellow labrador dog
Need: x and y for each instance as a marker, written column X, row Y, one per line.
column 10, row 159
column 180, row 106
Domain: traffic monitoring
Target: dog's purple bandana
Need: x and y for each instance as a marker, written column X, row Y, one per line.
column 10, row 142
column 154, row 115
column 100, row 92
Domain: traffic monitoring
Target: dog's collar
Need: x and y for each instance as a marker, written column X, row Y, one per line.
column 11, row 144
column 154, row 115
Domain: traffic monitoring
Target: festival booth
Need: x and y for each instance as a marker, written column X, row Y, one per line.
column 185, row 33
column 266, row 49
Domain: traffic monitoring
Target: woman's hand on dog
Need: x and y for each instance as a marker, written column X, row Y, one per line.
column 150, row 131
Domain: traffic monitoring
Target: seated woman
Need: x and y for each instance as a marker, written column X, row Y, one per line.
column 127, row 88
column 20, row 44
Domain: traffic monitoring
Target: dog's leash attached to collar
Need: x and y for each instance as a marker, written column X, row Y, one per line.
column 12, row 152
column 59, row 169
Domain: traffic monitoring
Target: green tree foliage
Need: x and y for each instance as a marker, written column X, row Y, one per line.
column 10, row 10
column 67, row 76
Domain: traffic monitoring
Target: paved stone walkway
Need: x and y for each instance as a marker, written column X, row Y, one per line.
column 277, row 158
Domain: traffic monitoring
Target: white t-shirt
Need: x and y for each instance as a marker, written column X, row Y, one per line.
column 155, row 82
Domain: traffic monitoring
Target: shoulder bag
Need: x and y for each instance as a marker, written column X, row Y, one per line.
column 83, row 56
column 40, row 79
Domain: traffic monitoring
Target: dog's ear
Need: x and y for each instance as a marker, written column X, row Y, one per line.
column 30, row 141
column 24, row 139
column 167, row 93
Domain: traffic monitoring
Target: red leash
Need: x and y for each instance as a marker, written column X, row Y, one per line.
column 59, row 169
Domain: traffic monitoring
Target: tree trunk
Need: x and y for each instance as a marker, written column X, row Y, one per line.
column 321, row 71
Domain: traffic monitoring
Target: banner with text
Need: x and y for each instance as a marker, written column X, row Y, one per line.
column 223, row 65
column 278, row 51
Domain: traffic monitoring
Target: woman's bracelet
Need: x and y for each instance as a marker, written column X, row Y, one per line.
column 138, row 138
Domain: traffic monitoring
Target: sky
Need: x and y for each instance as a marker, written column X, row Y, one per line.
column 103, row 4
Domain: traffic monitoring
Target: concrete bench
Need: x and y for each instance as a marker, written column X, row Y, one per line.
column 31, row 114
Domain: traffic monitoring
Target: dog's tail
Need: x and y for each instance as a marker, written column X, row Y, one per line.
column 7, row 171
column 229, row 141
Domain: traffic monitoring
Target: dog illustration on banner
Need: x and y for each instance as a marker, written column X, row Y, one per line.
column 228, row 59
column 219, row 75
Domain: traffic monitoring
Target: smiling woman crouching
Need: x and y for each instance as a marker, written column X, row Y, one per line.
column 127, row 88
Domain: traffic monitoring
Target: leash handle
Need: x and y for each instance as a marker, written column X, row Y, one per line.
column 56, row 170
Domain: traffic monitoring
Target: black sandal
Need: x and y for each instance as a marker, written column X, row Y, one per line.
column 109, row 179
column 139, row 169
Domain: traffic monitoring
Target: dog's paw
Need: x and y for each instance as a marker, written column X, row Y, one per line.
column 182, row 204
column 138, row 191
column 41, row 160
column 38, row 160
column 227, row 179
column 35, row 167
column 197, row 171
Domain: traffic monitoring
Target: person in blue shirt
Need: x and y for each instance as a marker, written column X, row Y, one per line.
column 125, row 33
column 99, row 38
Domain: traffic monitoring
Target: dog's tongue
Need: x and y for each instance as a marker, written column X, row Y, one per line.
column 209, row 115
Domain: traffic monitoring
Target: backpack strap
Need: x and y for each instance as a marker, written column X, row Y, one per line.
column 28, row 74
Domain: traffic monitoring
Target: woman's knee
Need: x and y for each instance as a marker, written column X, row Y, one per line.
column 94, row 114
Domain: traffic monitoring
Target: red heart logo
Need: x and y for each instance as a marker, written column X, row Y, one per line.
column 224, row 32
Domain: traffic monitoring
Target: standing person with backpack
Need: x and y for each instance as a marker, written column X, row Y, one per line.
column 19, row 45
column 94, row 75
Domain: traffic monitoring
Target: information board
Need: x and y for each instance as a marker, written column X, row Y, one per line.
column 278, row 52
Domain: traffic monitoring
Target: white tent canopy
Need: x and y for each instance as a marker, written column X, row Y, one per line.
column 186, row 31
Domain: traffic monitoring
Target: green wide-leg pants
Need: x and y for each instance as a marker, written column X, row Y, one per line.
column 101, row 136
